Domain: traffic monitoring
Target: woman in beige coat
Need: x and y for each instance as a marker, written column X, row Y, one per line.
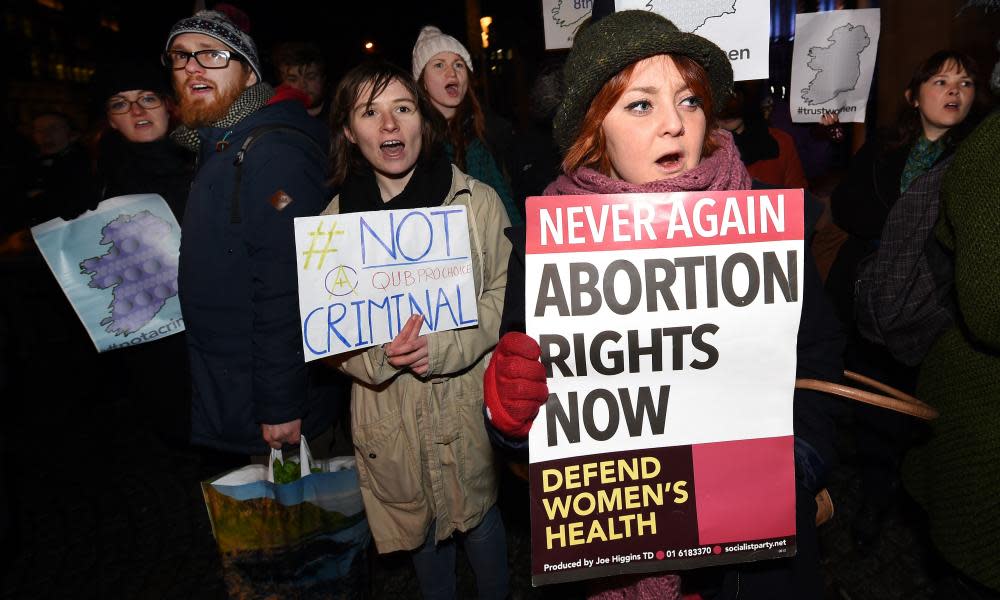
column 424, row 459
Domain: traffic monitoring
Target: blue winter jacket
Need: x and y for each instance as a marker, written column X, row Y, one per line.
column 238, row 282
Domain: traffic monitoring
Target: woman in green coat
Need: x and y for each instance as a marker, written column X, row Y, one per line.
column 955, row 476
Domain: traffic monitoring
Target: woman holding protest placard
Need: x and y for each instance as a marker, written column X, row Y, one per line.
column 424, row 458
column 638, row 116
column 136, row 156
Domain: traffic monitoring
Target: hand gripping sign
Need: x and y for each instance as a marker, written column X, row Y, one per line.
column 362, row 275
column 667, row 325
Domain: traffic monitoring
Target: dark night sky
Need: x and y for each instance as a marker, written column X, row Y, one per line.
column 75, row 36
column 340, row 26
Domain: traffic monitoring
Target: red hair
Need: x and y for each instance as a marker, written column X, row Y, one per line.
column 590, row 147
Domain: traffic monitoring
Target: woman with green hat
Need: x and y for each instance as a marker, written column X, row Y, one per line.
column 638, row 116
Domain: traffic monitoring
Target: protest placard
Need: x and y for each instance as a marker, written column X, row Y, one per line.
column 740, row 27
column 362, row 275
column 832, row 64
column 668, row 326
column 561, row 19
column 117, row 265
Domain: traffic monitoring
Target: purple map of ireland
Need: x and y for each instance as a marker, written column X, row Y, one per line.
column 140, row 266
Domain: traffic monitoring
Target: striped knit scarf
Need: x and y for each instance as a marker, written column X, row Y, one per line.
column 250, row 101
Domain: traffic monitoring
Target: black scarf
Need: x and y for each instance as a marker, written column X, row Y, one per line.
column 428, row 186
column 159, row 167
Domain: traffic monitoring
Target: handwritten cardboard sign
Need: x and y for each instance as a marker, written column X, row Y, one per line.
column 362, row 275
column 667, row 325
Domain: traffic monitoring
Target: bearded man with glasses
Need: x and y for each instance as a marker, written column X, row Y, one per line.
column 260, row 165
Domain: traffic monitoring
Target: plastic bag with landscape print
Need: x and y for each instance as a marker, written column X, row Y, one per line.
column 305, row 538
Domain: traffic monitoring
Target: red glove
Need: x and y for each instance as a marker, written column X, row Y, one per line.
column 514, row 385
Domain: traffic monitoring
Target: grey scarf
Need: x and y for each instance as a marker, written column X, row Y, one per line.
column 250, row 101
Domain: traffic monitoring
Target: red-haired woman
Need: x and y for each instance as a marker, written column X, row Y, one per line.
column 638, row 116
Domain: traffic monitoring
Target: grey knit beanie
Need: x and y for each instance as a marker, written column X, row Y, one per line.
column 217, row 25
column 431, row 41
column 606, row 47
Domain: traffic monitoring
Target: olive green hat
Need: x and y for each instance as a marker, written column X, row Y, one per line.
column 606, row 47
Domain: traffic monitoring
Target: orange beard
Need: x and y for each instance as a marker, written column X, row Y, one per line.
column 202, row 111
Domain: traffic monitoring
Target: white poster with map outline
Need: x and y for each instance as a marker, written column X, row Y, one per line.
column 561, row 19
column 740, row 27
column 832, row 64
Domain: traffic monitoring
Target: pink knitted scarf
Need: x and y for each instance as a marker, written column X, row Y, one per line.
column 723, row 170
column 655, row 586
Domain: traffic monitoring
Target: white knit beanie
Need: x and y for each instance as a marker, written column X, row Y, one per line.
column 431, row 41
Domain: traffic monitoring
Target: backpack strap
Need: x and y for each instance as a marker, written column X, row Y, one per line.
column 256, row 134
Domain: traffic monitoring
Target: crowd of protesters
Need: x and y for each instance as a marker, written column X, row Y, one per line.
column 637, row 106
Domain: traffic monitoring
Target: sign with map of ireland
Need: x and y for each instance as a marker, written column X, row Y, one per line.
column 561, row 19
column 742, row 28
column 362, row 275
column 117, row 266
column 832, row 64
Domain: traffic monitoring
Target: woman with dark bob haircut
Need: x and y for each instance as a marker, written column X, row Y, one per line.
column 897, row 173
column 939, row 100
column 425, row 462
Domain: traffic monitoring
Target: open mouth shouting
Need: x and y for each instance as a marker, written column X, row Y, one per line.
column 143, row 124
column 453, row 90
column 392, row 149
column 199, row 88
column 672, row 162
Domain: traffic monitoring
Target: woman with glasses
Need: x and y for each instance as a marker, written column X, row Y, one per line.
column 135, row 156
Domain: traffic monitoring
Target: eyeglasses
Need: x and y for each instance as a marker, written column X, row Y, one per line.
column 208, row 59
column 119, row 105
